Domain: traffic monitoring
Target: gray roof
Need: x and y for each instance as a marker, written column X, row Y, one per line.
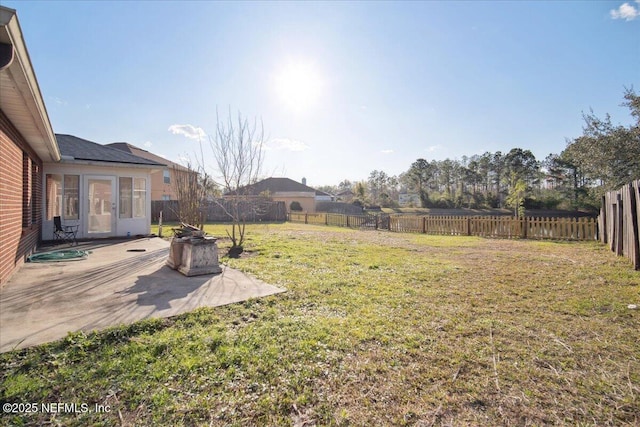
column 81, row 149
column 274, row 185
column 137, row 151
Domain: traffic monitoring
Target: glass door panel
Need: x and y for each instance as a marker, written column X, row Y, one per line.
column 101, row 205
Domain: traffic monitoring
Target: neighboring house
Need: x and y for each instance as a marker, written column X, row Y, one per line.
column 321, row 196
column 162, row 181
column 103, row 190
column 285, row 190
column 26, row 142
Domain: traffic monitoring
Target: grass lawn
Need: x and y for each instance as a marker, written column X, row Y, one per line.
column 375, row 329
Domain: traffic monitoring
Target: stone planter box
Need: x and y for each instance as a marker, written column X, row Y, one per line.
column 175, row 253
column 199, row 256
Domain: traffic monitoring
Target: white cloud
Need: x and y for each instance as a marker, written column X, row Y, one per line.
column 433, row 148
column 285, row 144
column 189, row 131
column 59, row 101
column 386, row 151
column 148, row 144
column 626, row 11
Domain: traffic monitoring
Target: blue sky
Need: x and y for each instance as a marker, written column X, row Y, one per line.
column 342, row 88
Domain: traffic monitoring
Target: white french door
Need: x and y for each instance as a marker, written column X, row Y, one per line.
column 101, row 205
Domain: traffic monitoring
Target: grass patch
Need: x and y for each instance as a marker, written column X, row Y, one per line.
column 375, row 329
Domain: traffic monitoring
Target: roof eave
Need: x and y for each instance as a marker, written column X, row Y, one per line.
column 111, row 164
column 36, row 126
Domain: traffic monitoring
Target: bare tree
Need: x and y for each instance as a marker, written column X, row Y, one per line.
column 237, row 148
column 192, row 186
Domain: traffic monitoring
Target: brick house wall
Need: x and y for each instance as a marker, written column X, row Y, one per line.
column 20, row 199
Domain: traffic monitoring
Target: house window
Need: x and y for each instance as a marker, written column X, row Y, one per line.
column 133, row 197
column 166, row 197
column 139, row 197
column 71, row 199
column 35, row 192
column 54, row 195
column 125, row 195
column 26, row 190
column 167, row 177
column 62, row 200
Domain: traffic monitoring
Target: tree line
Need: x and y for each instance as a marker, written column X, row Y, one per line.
column 603, row 158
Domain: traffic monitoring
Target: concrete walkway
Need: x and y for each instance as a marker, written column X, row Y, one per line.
column 44, row 301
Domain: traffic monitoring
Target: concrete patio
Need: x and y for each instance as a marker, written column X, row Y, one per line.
column 118, row 283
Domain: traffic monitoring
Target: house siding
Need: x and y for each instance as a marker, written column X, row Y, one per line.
column 20, row 199
column 307, row 200
column 158, row 187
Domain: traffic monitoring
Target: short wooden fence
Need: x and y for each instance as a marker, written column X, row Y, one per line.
column 497, row 226
column 619, row 221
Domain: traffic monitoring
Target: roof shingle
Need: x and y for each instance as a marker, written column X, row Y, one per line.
column 81, row 149
column 137, row 151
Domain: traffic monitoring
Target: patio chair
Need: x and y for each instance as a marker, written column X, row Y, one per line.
column 64, row 232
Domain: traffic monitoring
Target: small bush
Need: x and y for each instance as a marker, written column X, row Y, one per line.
column 295, row 206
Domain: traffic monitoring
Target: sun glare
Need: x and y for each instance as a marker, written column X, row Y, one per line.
column 298, row 85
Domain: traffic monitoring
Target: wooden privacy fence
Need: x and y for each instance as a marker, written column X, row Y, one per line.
column 252, row 210
column 619, row 221
column 499, row 226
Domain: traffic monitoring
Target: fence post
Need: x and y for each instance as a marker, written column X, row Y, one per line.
column 523, row 222
column 602, row 221
column 468, row 226
column 160, row 225
column 634, row 227
column 619, row 226
column 306, row 218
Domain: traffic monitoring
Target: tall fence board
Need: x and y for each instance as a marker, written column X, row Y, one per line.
column 495, row 226
column 619, row 221
column 252, row 210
